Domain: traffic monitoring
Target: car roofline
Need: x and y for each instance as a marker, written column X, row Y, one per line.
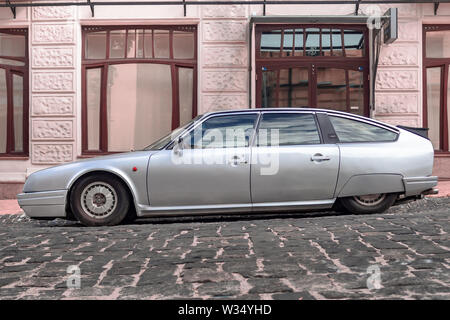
column 306, row 109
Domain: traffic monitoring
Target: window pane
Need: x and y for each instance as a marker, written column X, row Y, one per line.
column 140, row 43
column 448, row 108
column 354, row 43
column 298, row 42
column 293, row 88
column 131, row 44
column 356, row 88
column 161, row 42
column 144, row 113
column 268, row 88
column 336, row 39
column 223, row 132
column 12, row 45
column 312, row 42
column 288, row 42
column 93, row 84
column 349, row 130
column 117, row 47
column 96, row 45
column 438, row 44
column 270, row 43
column 18, row 112
column 434, row 105
column 326, row 34
column 292, row 129
column 12, row 62
column 148, row 44
column 331, row 89
column 185, row 94
column 183, row 45
column 3, row 111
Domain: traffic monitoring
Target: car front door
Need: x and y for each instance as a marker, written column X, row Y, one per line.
column 289, row 161
column 209, row 167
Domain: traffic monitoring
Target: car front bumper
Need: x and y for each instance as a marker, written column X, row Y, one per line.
column 418, row 185
column 43, row 204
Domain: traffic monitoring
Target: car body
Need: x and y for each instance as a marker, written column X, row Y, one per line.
column 321, row 156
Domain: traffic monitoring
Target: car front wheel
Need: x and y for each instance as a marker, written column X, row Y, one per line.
column 371, row 203
column 99, row 200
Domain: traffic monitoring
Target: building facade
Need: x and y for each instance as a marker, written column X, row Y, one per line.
column 77, row 83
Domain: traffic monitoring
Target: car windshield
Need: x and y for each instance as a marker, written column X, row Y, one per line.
column 162, row 142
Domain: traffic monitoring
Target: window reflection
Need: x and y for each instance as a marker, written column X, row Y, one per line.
column 287, row 129
column 288, row 42
column 331, row 89
column 223, row 132
column 268, row 89
column 438, row 44
column 12, row 45
column 270, row 43
column 117, row 44
column 96, row 45
column 148, row 87
column 3, row 111
column 356, row 91
column 354, row 43
column 434, row 105
column 349, row 130
column 17, row 82
column 312, row 42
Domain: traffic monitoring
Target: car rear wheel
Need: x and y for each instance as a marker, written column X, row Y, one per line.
column 371, row 203
column 99, row 200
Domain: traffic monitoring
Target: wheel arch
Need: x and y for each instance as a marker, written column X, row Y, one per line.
column 125, row 182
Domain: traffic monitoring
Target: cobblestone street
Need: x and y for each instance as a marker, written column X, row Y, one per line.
column 321, row 255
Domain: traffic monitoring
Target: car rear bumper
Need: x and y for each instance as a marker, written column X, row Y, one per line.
column 418, row 185
column 44, row 203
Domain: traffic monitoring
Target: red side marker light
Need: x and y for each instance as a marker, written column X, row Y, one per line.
column 134, row 169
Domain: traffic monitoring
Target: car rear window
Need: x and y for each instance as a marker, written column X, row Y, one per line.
column 285, row 129
column 349, row 130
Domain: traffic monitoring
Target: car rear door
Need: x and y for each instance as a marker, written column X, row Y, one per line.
column 290, row 162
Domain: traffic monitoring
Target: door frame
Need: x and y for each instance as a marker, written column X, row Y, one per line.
column 312, row 62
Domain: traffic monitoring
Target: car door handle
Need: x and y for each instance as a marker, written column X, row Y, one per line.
column 236, row 160
column 319, row 157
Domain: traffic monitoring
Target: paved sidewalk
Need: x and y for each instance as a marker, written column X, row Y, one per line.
column 11, row 206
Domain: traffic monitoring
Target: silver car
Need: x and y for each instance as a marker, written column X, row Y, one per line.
column 244, row 161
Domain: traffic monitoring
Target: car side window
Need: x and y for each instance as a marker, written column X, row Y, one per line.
column 231, row 131
column 349, row 130
column 286, row 129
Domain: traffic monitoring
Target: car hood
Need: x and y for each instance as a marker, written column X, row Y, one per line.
column 61, row 176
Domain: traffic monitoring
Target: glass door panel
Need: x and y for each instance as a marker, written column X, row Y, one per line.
column 17, row 82
column 3, row 111
column 268, row 89
column 356, row 91
column 331, row 88
column 285, row 88
column 293, row 88
column 434, row 105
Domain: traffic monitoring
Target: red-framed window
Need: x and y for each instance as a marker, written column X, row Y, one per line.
column 323, row 66
column 436, row 85
column 138, row 83
column 13, row 93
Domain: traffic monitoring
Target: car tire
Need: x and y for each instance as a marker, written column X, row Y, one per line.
column 99, row 200
column 376, row 203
